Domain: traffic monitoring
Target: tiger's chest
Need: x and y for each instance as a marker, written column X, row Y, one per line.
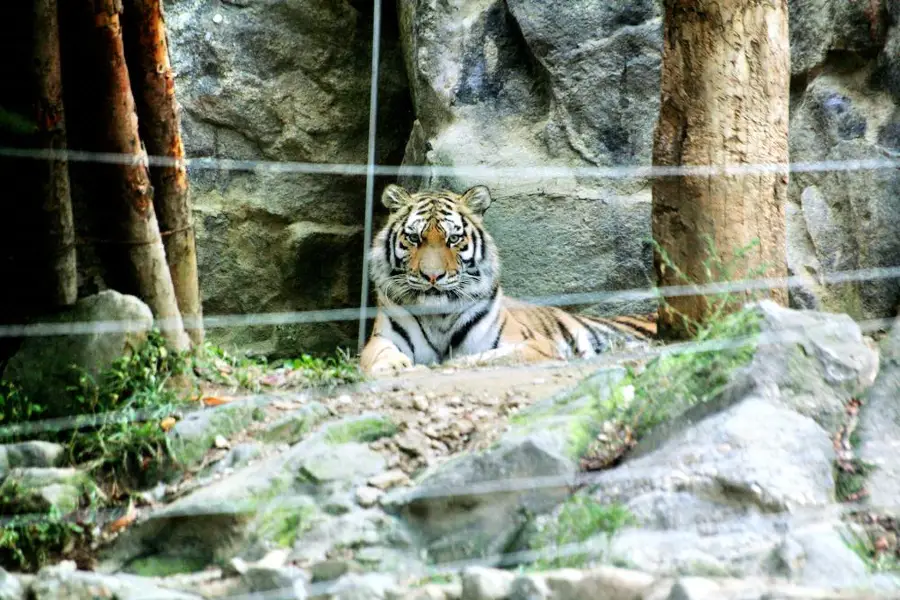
column 435, row 338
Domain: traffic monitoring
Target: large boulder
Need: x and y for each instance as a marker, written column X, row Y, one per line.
column 745, row 484
column 43, row 366
column 282, row 81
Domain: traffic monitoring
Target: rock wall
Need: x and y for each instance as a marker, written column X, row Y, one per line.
column 515, row 84
column 282, row 81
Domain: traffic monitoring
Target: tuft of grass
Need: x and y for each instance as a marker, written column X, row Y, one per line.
column 673, row 383
column 326, row 372
column 255, row 374
column 850, row 478
column 580, row 518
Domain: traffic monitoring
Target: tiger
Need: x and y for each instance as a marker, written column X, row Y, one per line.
column 436, row 272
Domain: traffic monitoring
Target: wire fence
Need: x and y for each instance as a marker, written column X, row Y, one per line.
column 370, row 170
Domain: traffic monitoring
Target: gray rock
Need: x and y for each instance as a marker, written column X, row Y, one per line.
column 292, row 427
column 472, row 505
column 802, row 261
column 346, row 462
column 279, row 501
column 457, row 520
column 887, row 73
column 818, row 362
column 360, row 530
column 480, row 583
column 744, row 485
column 64, row 582
column 10, row 587
column 818, row 26
column 529, row 587
column 285, row 583
column 92, row 352
column 238, row 457
column 282, row 81
column 879, row 427
column 610, row 583
column 847, row 213
column 369, row 586
column 32, row 454
column 36, row 490
column 194, row 435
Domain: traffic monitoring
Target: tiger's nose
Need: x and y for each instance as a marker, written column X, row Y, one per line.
column 432, row 275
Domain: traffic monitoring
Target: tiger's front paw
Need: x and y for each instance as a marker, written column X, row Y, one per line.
column 390, row 363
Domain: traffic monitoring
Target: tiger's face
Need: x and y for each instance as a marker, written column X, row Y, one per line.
column 434, row 247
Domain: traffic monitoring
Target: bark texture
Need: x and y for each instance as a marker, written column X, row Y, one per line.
column 132, row 217
column 53, row 175
column 154, row 87
column 724, row 102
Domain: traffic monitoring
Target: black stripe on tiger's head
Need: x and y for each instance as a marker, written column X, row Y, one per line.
column 434, row 247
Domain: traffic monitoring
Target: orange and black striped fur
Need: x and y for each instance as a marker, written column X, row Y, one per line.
column 437, row 275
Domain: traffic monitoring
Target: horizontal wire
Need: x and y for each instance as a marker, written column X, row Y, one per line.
column 471, row 171
column 350, row 314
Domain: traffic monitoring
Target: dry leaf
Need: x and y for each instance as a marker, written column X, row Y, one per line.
column 124, row 521
column 216, row 400
column 167, row 423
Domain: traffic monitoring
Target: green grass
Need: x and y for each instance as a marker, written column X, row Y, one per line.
column 256, row 374
column 670, row 384
column 849, row 483
column 580, row 518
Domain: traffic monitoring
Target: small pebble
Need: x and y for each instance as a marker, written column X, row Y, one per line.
column 367, row 496
column 421, row 403
column 218, row 19
column 389, row 479
column 465, row 426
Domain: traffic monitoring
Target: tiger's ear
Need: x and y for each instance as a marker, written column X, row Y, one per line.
column 477, row 199
column 394, row 196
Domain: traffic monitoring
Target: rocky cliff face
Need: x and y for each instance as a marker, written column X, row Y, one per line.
column 521, row 85
column 282, row 81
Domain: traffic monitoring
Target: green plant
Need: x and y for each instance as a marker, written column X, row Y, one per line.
column 15, row 407
column 27, row 543
column 116, row 433
column 579, row 519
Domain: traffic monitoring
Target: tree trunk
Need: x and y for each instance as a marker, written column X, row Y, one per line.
column 53, row 175
column 154, row 89
column 132, row 218
column 725, row 83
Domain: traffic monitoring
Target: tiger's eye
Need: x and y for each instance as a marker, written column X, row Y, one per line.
column 413, row 238
column 454, row 239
